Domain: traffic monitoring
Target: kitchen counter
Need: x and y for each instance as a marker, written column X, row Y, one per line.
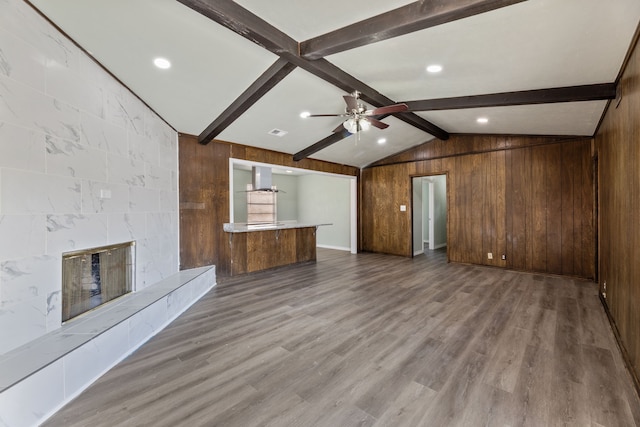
column 256, row 247
column 242, row 227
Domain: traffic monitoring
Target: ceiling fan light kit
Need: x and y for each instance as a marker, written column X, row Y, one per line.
column 360, row 119
column 353, row 125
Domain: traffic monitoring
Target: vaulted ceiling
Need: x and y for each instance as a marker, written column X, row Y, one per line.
column 242, row 69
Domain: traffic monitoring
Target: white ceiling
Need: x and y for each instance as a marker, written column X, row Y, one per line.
column 531, row 45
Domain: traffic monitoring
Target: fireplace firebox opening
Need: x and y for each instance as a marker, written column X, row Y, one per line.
column 95, row 276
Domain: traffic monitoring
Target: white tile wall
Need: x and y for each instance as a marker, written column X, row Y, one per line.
column 103, row 197
column 21, row 148
column 28, row 233
column 83, row 163
column 24, row 192
column 21, row 61
column 70, row 158
column 26, row 278
column 126, row 227
column 74, row 232
column 98, row 133
column 23, row 321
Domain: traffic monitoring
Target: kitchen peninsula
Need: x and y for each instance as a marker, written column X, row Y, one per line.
column 260, row 246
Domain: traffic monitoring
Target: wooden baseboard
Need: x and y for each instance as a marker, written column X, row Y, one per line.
column 623, row 350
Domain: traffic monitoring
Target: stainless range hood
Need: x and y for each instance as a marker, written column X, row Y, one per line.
column 261, row 178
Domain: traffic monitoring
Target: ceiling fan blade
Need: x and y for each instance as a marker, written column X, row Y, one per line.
column 352, row 102
column 340, row 128
column 389, row 109
column 377, row 123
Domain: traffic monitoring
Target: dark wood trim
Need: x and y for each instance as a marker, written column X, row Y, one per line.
column 274, row 75
column 403, row 20
column 623, row 350
column 594, row 92
column 321, row 145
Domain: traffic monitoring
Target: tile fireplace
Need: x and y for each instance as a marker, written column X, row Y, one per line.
column 95, row 276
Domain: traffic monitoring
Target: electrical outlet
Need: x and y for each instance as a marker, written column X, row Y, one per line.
column 504, row 257
column 489, row 255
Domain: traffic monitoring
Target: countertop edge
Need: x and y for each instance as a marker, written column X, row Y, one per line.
column 247, row 228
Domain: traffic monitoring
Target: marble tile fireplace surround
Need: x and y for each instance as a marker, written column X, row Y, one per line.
column 84, row 163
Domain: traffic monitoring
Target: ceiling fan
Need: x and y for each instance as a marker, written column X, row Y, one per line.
column 360, row 119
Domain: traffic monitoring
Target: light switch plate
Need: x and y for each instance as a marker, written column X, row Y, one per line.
column 403, row 208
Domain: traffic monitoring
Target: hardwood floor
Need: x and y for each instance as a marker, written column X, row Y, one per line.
column 374, row 340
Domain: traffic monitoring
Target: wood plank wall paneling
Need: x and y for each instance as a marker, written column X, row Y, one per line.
column 530, row 198
column 204, row 196
column 305, row 244
column 204, row 183
column 617, row 145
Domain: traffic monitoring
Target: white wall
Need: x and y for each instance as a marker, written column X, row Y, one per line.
column 309, row 198
column 440, row 210
column 326, row 199
column 67, row 131
column 287, row 196
column 425, row 210
column 240, row 180
column 288, row 186
column 417, row 215
column 421, row 206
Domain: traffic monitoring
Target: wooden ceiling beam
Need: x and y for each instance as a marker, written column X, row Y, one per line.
column 594, row 92
column 403, row 20
column 274, row 74
column 321, row 145
column 244, row 23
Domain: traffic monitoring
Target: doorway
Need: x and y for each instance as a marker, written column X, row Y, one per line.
column 429, row 213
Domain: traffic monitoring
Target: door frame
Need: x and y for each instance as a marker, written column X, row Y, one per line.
column 427, row 175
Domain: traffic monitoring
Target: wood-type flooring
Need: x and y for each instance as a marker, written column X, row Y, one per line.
column 374, row 340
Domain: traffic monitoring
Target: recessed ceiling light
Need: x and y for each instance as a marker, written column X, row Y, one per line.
column 289, row 171
column 435, row 68
column 162, row 63
column 382, row 140
column 305, row 114
column 482, row 120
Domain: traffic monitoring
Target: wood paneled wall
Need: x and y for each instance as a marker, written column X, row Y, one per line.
column 204, row 196
column 618, row 151
column 530, row 198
